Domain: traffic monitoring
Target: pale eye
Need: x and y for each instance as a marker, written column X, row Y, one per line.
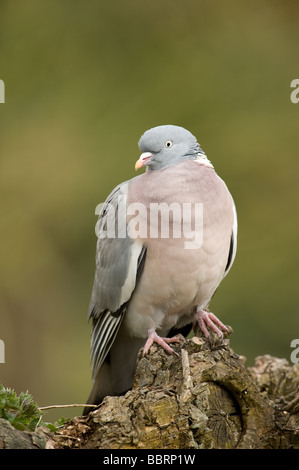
column 168, row 144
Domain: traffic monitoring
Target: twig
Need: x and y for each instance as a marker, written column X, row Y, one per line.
column 187, row 379
column 66, row 406
column 186, row 369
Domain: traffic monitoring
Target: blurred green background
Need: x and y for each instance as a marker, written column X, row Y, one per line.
column 83, row 81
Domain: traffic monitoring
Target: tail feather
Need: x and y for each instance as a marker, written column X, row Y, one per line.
column 116, row 375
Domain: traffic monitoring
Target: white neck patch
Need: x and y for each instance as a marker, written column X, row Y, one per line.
column 202, row 159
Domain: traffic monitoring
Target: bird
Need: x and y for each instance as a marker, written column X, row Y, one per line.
column 148, row 285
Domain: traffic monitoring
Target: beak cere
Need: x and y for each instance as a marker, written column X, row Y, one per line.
column 144, row 158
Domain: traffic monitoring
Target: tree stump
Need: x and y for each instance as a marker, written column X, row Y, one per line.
column 202, row 398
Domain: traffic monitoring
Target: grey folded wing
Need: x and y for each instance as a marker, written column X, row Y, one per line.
column 119, row 262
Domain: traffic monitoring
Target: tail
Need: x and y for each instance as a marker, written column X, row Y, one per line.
column 116, row 375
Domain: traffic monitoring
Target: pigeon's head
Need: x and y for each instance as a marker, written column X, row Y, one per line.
column 164, row 146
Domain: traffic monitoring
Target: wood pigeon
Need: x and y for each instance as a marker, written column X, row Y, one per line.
column 166, row 239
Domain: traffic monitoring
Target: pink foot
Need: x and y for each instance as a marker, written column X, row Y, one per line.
column 209, row 320
column 153, row 337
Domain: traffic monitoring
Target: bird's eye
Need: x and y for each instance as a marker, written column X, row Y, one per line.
column 168, row 144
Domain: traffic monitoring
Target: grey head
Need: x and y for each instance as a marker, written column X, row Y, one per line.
column 164, row 146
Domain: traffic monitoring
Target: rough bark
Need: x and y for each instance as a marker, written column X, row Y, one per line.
column 203, row 398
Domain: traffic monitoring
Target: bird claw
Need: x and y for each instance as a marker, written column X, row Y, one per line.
column 207, row 320
column 153, row 337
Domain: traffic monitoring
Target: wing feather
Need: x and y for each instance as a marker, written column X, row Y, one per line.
column 119, row 262
column 233, row 243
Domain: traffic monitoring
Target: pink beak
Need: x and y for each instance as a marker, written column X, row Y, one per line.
column 144, row 158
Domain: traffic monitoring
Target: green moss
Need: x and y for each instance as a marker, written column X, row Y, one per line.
column 22, row 411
